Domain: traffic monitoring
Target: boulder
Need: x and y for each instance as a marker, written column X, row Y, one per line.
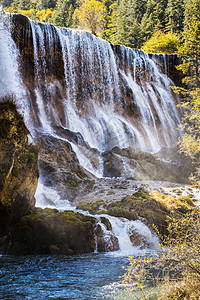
column 48, row 231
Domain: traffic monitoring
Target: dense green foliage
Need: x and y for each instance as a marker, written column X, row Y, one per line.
column 161, row 42
column 190, row 91
column 127, row 22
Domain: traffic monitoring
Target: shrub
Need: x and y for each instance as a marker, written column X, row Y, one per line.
column 175, row 270
column 162, row 42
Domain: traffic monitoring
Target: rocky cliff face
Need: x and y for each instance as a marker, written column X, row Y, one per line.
column 23, row 228
column 89, row 97
column 18, row 165
column 110, row 94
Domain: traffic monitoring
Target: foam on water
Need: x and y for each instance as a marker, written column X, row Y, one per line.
column 122, row 228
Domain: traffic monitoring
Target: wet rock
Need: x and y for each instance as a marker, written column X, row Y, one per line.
column 166, row 165
column 127, row 152
column 106, row 222
column 48, row 231
column 138, row 240
column 105, row 240
column 60, row 167
column 168, row 63
column 112, row 166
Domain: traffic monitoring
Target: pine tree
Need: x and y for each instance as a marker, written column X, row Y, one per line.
column 154, row 18
column 175, row 15
column 64, row 13
column 128, row 22
column 24, row 4
column 159, row 13
column 190, row 143
column 45, row 4
column 148, row 22
column 191, row 44
column 6, row 3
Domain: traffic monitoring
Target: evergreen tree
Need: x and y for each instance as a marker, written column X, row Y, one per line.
column 190, row 143
column 45, row 4
column 175, row 15
column 191, row 43
column 6, row 3
column 148, row 22
column 154, row 18
column 24, row 4
column 159, row 13
column 128, row 23
column 63, row 15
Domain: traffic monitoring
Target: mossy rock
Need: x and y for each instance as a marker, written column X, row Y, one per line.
column 92, row 208
column 72, row 183
column 125, row 213
column 54, row 249
column 186, row 200
column 48, row 231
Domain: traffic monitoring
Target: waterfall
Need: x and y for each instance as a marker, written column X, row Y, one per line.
column 120, row 238
column 71, row 79
column 77, row 88
column 10, row 82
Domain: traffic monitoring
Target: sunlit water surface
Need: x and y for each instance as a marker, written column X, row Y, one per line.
column 90, row 276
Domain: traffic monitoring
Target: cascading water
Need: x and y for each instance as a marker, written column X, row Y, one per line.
column 77, row 88
column 10, row 81
column 111, row 95
column 119, row 238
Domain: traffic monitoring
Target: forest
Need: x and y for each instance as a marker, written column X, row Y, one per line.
column 127, row 22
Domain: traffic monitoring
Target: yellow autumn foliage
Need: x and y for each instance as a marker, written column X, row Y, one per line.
column 40, row 15
column 91, row 16
column 161, row 42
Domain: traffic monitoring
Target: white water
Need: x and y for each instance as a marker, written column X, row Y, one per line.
column 122, row 228
column 91, row 101
column 10, row 79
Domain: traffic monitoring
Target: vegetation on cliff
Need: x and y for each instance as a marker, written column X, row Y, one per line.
column 179, row 258
column 190, row 89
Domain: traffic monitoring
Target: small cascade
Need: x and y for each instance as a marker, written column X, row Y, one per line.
column 72, row 80
column 123, row 236
column 132, row 235
column 48, row 197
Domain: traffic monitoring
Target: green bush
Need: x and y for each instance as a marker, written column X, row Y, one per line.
column 162, row 42
column 176, row 267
